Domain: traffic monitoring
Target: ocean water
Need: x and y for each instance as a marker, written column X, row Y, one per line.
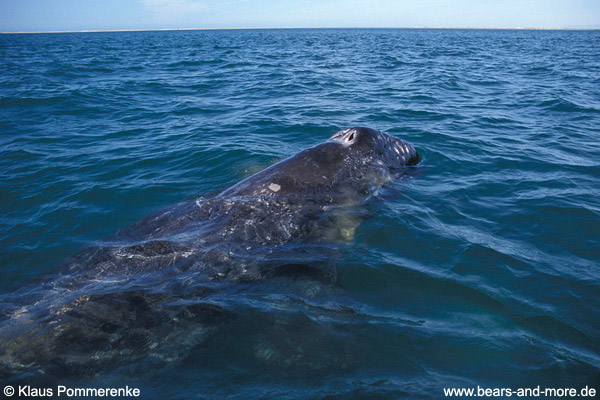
column 479, row 268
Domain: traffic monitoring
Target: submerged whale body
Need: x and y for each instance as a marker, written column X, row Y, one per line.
column 118, row 301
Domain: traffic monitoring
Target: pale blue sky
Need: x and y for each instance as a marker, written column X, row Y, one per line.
column 58, row 15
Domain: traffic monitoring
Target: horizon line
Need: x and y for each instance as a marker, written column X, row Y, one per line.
column 275, row 28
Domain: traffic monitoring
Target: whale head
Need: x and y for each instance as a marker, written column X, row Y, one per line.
column 355, row 160
column 373, row 146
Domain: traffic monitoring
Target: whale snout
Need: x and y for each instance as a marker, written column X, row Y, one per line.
column 405, row 153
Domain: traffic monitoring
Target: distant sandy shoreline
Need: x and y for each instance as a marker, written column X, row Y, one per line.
column 223, row 29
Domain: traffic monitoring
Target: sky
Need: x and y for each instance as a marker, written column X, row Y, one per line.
column 69, row 15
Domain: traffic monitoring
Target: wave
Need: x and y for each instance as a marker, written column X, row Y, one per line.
column 564, row 105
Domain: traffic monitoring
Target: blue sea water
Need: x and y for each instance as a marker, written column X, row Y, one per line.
column 481, row 269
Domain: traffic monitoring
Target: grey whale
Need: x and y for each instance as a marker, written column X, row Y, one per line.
column 268, row 225
column 299, row 198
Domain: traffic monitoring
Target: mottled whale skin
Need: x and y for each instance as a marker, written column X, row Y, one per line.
column 301, row 197
column 119, row 300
